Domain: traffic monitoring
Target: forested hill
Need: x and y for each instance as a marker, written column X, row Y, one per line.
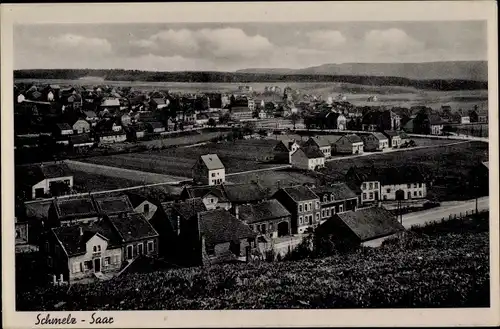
column 147, row 76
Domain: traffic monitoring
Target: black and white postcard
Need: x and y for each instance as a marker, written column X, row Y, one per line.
column 269, row 164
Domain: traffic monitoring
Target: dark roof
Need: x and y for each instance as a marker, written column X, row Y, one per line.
column 112, row 204
column 212, row 161
column 311, row 152
column 80, row 139
column 400, row 175
column 262, row 211
column 300, row 193
column 352, row 138
column 38, row 209
column 74, row 238
column 391, row 133
column 435, row 119
column 245, row 192
column 132, row 227
column 33, row 174
column 219, row 226
column 75, row 207
column 155, row 124
column 379, row 136
column 340, row 191
column 159, row 101
column 202, row 191
column 188, row 208
column 370, row 223
column 63, row 126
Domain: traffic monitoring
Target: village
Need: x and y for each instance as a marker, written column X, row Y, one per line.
column 221, row 207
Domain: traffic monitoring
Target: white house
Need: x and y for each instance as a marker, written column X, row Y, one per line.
column 212, row 196
column 308, row 158
column 110, row 137
column 349, row 144
column 40, row 178
column 375, row 142
column 209, row 170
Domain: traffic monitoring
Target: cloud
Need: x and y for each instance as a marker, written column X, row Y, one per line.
column 325, row 39
column 391, row 40
column 73, row 42
column 220, row 43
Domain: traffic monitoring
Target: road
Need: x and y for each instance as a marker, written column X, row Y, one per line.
column 436, row 214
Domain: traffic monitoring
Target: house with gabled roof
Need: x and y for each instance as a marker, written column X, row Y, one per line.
column 393, row 137
column 269, row 218
column 209, row 170
column 323, row 143
column 217, row 236
column 37, row 181
column 68, row 211
column 284, row 150
column 375, row 142
column 98, row 250
column 213, row 196
column 303, row 204
column 244, row 193
column 335, row 198
column 155, row 127
column 460, row 116
column 308, row 158
column 349, row 144
column 350, row 229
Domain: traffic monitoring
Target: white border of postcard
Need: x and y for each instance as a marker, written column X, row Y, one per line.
column 245, row 12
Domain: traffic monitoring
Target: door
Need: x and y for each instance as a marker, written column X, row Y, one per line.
column 97, row 265
column 140, row 248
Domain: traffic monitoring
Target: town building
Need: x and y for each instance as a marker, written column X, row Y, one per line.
column 349, row 144
column 284, row 149
column 320, row 143
column 213, row 196
column 267, row 218
column 38, row 181
column 142, row 204
column 350, row 229
column 81, row 126
column 63, row 130
column 244, row 193
column 380, row 120
column 110, row 137
column 303, row 204
column 393, row 137
column 69, row 211
column 335, row 198
column 98, row 249
column 308, row 158
column 81, row 142
column 375, row 142
column 155, row 127
column 209, row 170
column 460, row 116
column 365, row 182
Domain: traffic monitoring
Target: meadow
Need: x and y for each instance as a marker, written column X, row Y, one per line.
column 442, row 265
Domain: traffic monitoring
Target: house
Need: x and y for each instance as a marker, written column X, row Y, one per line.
column 393, row 137
column 98, row 249
column 109, row 137
column 354, row 227
column 379, row 120
column 244, row 193
column 268, row 218
column 375, row 142
column 136, row 131
column 213, row 196
column 38, row 181
column 158, row 103
column 349, row 144
column 216, row 236
column 68, row 211
column 303, row 204
column 284, row 149
column 322, row 144
column 425, row 122
column 110, row 104
column 209, row 170
column 91, row 117
column 262, row 114
column 365, row 182
column 142, row 204
column 308, row 158
column 482, row 116
column 63, row 130
column 202, row 119
column 436, row 125
column 125, row 120
column 81, row 126
column 241, row 113
column 155, row 127
column 460, row 116
column 407, row 180
column 81, row 141
column 335, row 198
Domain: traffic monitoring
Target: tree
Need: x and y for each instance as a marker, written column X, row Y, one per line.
column 248, row 128
column 294, row 118
column 211, row 122
column 225, row 118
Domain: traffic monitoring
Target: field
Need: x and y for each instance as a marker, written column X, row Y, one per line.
column 237, row 156
column 273, row 179
column 477, row 130
column 447, row 166
column 356, row 94
column 85, row 182
column 442, row 265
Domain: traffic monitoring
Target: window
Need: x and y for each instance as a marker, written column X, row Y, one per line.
column 95, row 249
column 364, row 186
column 270, row 226
column 305, row 207
column 388, row 190
column 415, row 185
column 66, row 181
column 332, row 198
column 317, row 216
column 371, row 185
column 146, row 208
column 371, row 195
column 99, row 248
column 420, row 193
column 107, row 261
column 140, row 248
column 325, row 198
column 310, row 206
column 301, row 220
column 341, row 208
column 328, row 212
column 323, row 213
column 87, row 265
column 376, row 185
column 300, row 208
column 213, row 174
column 409, row 185
column 415, row 193
column 317, row 204
column 364, row 196
column 130, row 251
column 211, row 200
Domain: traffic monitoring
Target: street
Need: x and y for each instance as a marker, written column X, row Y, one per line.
column 436, row 214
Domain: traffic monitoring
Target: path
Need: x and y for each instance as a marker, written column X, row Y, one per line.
column 436, row 214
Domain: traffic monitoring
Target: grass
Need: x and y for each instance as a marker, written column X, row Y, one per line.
column 85, row 182
column 444, row 265
column 237, row 156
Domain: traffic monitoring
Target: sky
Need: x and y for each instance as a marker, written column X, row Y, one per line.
column 230, row 47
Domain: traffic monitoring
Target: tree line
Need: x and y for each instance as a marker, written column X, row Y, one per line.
column 230, row 77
